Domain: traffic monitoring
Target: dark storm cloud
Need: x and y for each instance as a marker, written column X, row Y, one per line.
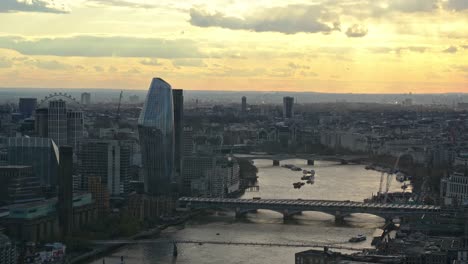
column 103, row 46
column 30, row 6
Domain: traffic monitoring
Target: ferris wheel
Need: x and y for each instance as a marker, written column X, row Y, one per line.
column 71, row 101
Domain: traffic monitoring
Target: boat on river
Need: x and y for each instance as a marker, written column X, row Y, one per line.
column 358, row 238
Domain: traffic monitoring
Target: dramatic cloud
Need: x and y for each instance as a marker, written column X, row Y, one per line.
column 46, row 6
column 451, row 49
column 356, row 31
column 288, row 20
column 457, row 4
column 151, row 62
column 102, row 46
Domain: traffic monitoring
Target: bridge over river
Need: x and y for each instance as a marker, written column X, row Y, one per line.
column 289, row 207
column 311, row 158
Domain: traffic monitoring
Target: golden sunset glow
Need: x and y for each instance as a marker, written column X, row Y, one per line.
column 355, row 46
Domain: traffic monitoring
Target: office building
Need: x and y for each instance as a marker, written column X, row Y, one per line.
column 288, row 107
column 85, row 98
column 40, row 153
column 156, row 130
column 109, row 160
column 63, row 125
column 41, row 122
column 27, row 106
column 209, row 176
column 65, row 191
column 244, row 105
column 178, row 97
column 75, row 128
column 454, row 189
column 187, row 141
column 57, row 122
column 19, row 185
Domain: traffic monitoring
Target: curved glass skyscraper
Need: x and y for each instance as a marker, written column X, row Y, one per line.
column 156, row 131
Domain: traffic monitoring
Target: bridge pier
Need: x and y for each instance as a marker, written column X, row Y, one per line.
column 276, row 162
column 287, row 215
column 340, row 218
column 310, row 162
column 241, row 213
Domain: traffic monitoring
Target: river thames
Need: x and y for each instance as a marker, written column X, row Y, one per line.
column 332, row 182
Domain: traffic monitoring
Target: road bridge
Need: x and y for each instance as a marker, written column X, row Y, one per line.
column 311, row 158
column 288, row 207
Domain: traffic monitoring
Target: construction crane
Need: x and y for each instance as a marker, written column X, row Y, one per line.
column 388, row 176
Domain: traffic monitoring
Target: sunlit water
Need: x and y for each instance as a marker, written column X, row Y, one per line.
column 332, row 182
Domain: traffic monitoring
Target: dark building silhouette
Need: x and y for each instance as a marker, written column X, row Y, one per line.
column 288, row 107
column 18, row 184
column 42, row 122
column 65, row 190
column 178, row 98
column 85, row 98
column 244, row 104
column 27, row 106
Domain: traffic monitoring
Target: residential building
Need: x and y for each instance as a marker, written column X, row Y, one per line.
column 156, row 130
column 8, row 253
column 454, row 189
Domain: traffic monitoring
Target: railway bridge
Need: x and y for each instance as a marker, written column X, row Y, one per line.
column 288, row 207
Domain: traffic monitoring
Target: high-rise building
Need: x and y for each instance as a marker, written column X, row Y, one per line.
column 57, row 122
column 156, row 130
column 85, row 98
column 8, row 251
column 65, row 190
column 187, row 141
column 109, row 160
column 42, row 122
column 27, row 106
column 288, row 107
column 40, row 153
column 74, row 128
column 244, row 104
column 19, row 185
column 63, row 125
column 178, row 97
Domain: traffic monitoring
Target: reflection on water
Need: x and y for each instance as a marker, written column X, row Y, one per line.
column 332, row 182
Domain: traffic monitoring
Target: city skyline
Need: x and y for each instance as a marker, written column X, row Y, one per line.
column 361, row 46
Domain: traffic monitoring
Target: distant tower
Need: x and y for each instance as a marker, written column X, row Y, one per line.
column 156, row 130
column 178, row 97
column 65, row 190
column 288, row 107
column 244, row 104
column 27, row 106
column 85, row 98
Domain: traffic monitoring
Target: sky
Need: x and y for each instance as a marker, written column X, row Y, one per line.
column 335, row 46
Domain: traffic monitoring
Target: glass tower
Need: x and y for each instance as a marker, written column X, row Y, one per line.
column 156, row 131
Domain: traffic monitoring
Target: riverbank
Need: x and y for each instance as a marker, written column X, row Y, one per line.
column 106, row 249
